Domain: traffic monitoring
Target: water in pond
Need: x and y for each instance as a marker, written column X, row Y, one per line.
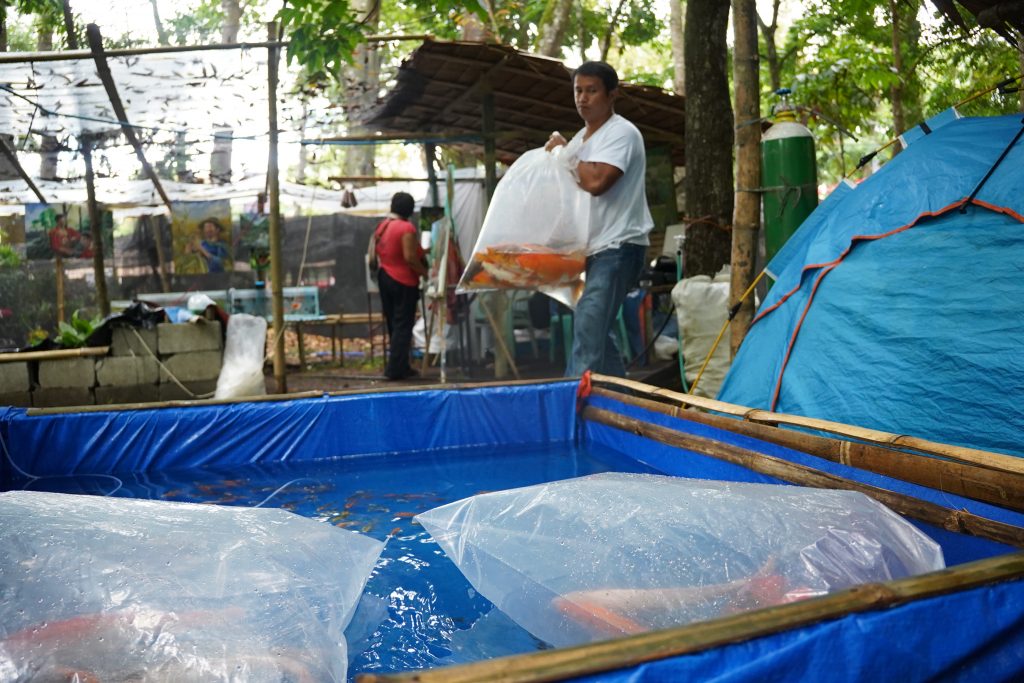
column 418, row 611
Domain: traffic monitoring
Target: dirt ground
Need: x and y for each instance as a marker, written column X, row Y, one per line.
column 358, row 366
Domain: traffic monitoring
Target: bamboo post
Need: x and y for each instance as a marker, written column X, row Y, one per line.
column 99, row 272
column 499, row 340
column 161, row 260
column 443, row 270
column 274, row 194
column 747, row 216
column 490, row 151
column 59, row 268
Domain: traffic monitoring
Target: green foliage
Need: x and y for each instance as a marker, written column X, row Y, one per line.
column 639, row 23
column 198, row 26
column 322, row 34
column 74, row 335
column 30, row 291
column 9, row 257
column 839, row 64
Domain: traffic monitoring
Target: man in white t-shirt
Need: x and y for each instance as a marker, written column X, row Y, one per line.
column 610, row 162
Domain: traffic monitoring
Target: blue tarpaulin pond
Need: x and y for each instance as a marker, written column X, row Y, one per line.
column 370, row 462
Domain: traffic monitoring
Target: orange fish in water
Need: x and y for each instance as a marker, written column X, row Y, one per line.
column 613, row 612
column 525, row 267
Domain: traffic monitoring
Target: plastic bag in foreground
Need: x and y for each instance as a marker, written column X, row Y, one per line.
column 113, row 589
column 535, row 233
column 614, row 554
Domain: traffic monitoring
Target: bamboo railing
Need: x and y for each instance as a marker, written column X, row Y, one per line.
column 995, row 461
column 572, row 662
column 55, row 354
column 997, row 487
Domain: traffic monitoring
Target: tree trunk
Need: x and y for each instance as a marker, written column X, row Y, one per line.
column 708, row 139
column 553, row 25
column 747, row 220
column 606, row 40
column 472, row 28
column 678, row 61
column 896, row 91
column 361, row 82
column 584, row 36
column 232, row 19
column 223, row 143
column 161, row 32
column 48, row 144
column 1020, row 55
column 3, row 29
column 768, row 31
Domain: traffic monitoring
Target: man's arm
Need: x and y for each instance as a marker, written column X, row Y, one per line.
column 597, row 177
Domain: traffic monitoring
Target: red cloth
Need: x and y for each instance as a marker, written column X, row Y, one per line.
column 389, row 250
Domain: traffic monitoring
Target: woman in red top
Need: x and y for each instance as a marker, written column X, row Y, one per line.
column 402, row 263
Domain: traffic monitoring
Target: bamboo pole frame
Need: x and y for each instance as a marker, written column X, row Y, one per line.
column 990, row 486
column 269, row 398
column 56, row 354
column 573, row 662
column 995, row 461
column 103, row 70
column 274, row 196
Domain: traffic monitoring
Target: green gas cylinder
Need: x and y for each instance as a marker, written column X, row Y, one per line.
column 789, row 176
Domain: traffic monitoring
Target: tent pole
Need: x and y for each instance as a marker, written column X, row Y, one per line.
column 274, row 195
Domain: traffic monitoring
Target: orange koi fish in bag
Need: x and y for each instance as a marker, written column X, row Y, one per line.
column 534, row 235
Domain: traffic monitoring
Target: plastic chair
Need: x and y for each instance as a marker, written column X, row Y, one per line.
column 562, row 325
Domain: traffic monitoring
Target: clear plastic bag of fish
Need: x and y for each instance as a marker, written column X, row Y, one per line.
column 615, row 554
column 114, row 589
column 534, row 235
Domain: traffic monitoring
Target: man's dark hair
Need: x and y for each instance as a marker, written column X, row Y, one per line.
column 600, row 69
column 402, row 204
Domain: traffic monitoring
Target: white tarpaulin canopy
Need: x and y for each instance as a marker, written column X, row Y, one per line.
column 139, row 197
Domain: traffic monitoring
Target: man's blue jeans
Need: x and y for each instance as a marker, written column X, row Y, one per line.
column 610, row 276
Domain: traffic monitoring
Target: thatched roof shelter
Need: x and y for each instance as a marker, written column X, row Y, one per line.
column 441, row 89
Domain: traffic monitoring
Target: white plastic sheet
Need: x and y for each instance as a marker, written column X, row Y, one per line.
column 613, row 554
column 535, row 233
column 113, row 589
column 241, row 372
column 702, row 307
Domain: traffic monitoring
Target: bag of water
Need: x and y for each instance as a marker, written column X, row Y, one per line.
column 534, row 235
column 613, row 554
column 113, row 589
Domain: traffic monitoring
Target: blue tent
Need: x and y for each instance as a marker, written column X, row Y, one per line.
column 899, row 303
